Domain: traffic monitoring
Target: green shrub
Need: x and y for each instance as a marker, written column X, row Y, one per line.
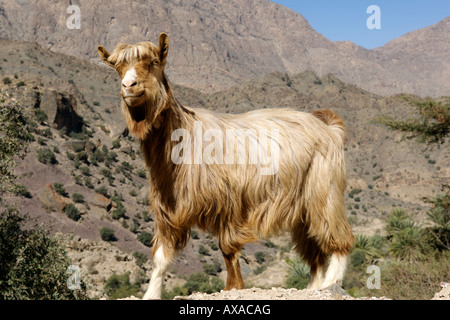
column 142, row 173
column 116, row 144
column 78, row 198
column 85, row 170
column 194, row 234
column 439, row 216
column 201, row 282
column 203, row 250
column 357, row 257
column 212, row 269
column 32, row 264
column 120, row 212
column 59, row 188
column 7, row 80
column 298, row 274
column 145, row 238
column 21, row 190
column 406, row 239
column 40, row 115
column 119, row 286
column 46, row 156
column 103, row 191
column 146, row 216
column 72, row 212
column 140, row 258
column 88, row 183
column 414, row 280
column 260, row 257
column 107, row 234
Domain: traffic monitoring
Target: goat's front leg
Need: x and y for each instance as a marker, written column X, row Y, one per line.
column 234, row 276
column 162, row 257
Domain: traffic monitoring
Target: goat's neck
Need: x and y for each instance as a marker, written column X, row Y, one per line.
column 157, row 144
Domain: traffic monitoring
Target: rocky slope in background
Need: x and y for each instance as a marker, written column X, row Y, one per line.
column 219, row 43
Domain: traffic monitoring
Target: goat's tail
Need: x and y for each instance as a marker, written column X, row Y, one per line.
column 332, row 119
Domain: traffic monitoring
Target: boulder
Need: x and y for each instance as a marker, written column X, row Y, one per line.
column 61, row 110
column 52, row 200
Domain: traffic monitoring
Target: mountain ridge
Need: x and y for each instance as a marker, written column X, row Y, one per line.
column 217, row 44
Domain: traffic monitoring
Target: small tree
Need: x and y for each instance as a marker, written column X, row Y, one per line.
column 32, row 264
column 432, row 125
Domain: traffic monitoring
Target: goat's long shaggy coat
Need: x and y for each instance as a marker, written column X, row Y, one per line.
column 234, row 201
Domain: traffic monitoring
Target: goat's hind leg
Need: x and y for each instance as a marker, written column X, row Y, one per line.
column 310, row 252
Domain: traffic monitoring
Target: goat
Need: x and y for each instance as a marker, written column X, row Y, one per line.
column 228, row 187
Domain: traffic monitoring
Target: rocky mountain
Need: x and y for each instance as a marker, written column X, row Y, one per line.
column 216, row 44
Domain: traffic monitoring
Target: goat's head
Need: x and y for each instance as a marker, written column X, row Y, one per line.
column 141, row 68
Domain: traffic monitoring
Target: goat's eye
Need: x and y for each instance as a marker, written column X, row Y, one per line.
column 154, row 63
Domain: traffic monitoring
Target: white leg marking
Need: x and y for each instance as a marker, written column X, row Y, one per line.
column 336, row 270
column 161, row 262
column 316, row 279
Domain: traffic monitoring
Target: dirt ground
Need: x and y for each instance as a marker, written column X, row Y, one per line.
column 331, row 293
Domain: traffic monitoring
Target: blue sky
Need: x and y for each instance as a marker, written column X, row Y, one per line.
column 340, row 20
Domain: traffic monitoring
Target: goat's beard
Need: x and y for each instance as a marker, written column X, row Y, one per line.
column 138, row 113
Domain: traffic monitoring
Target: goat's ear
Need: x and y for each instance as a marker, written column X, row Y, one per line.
column 104, row 55
column 163, row 47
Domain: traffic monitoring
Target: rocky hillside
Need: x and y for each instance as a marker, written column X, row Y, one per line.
column 220, row 43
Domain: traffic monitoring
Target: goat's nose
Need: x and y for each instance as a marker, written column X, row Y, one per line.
column 128, row 83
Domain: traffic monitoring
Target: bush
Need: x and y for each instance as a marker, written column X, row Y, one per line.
column 120, row 212
column 72, row 212
column 298, row 274
column 107, row 234
column 212, row 269
column 439, row 216
column 21, row 190
column 40, row 115
column 59, row 188
column 103, row 191
column 414, row 280
column 119, row 286
column 140, row 258
column 201, row 282
column 146, row 216
column 78, row 198
column 46, row 156
column 203, row 250
column 32, row 265
column 260, row 257
column 357, row 257
column 145, row 238
column 116, row 144
column 6, row 80
column 407, row 240
column 142, row 173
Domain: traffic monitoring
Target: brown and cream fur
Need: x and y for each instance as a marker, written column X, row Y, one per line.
column 305, row 197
